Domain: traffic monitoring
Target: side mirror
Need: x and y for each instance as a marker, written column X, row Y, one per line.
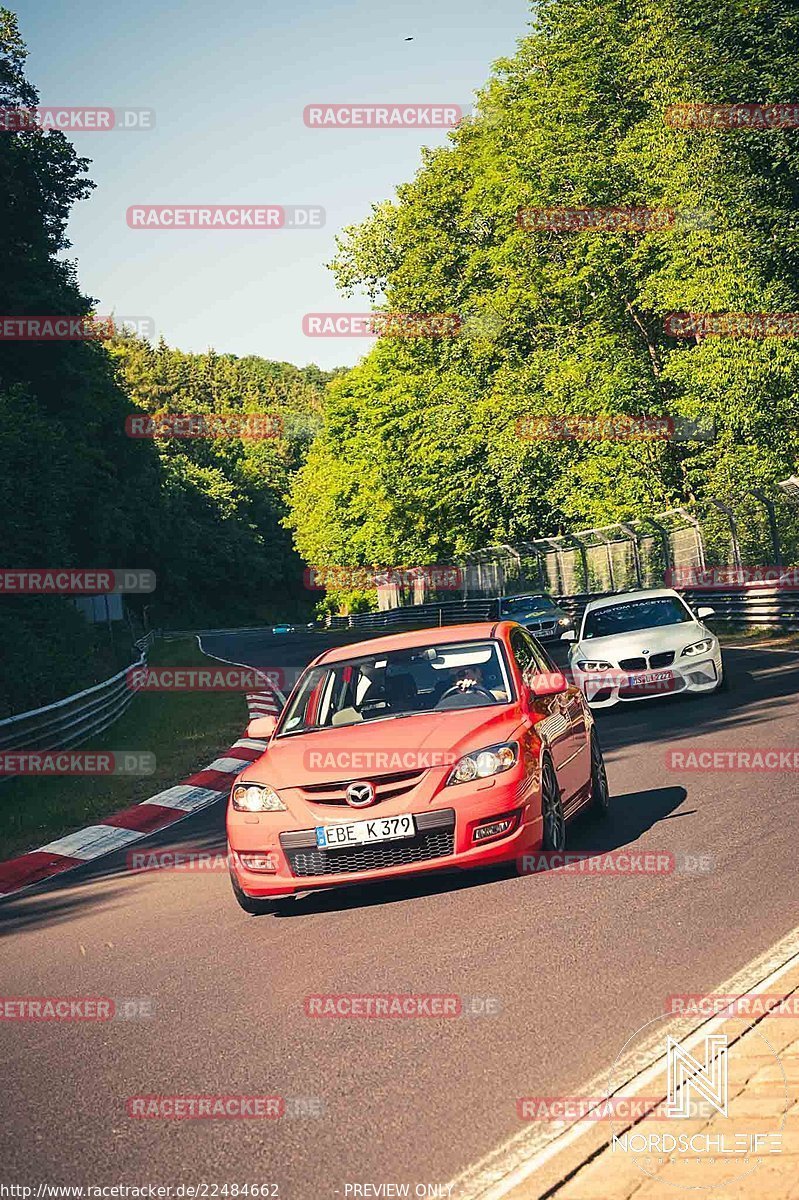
column 569, row 635
column 705, row 612
column 551, row 684
column 262, row 727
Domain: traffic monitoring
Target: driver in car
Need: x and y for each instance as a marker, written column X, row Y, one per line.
column 467, row 678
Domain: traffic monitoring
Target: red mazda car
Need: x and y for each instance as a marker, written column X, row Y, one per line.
column 423, row 751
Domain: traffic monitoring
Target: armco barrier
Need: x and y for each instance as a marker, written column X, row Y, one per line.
column 69, row 722
column 451, row 612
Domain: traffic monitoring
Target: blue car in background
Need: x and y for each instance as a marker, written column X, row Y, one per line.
column 538, row 613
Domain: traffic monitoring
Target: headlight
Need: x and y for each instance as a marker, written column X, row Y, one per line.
column 565, row 621
column 593, row 666
column 698, row 647
column 480, row 764
column 256, row 797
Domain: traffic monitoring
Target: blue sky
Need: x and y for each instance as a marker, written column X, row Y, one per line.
column 228, row 84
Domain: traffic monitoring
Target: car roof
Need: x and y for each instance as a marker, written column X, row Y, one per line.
column 476, row 631
column 624, row 597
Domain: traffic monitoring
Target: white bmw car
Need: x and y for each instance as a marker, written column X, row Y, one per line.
column 639, row 645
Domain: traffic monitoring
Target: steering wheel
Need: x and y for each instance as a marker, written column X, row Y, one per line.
column 455, row 690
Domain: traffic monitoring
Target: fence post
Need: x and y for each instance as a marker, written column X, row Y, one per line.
column 700, row 545
column 771, row 517
column 606, row 543
column 668, row 557
column 628, row 529
column 730, row 515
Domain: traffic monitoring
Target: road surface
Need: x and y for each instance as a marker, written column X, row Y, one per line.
column 574, row 964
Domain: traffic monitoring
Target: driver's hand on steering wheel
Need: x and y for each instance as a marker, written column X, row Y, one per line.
column 465, row 685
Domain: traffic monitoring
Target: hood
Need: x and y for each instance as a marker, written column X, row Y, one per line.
column 632, row 645
column 354, row 751
column 534, row 610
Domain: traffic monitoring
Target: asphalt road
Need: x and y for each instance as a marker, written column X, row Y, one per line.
column 575, row 965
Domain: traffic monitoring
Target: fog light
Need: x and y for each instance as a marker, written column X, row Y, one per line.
column 259, row 862
column 494, row 828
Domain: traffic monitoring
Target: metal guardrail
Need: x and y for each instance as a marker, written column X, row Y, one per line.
column 69, row 722
column 418, row 616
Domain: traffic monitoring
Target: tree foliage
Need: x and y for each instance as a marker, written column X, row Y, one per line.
column 420, row 456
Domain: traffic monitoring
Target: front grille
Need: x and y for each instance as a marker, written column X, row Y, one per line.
column 632, row 664
column 435, row 838
column 540, row 628
column 387, row 787
column 662, row 660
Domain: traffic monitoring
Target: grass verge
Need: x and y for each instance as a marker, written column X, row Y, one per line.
column 184, row 730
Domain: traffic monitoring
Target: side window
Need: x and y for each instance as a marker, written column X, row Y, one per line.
column 522, row 650
column 541, row 662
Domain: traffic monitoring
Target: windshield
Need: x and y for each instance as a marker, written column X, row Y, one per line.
column 398, row 683
column 635, row 614
column 529, row 603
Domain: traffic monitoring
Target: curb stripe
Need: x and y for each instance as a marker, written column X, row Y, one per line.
column 92, row 841
column 205, row 787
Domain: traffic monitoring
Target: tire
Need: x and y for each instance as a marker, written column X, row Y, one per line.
column 250, row 904
column 554, row 834
column 600, row 792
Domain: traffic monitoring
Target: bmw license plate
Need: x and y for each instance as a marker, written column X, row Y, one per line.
column 359, row 833
column 653, row 681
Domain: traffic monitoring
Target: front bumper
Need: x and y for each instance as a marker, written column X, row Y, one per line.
column 443, row 839
column 695, row 676
column 547, row 632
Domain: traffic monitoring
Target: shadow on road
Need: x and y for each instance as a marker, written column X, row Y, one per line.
column 630, row 817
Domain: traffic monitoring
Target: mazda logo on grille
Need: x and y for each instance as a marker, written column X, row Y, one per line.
column 360, row 794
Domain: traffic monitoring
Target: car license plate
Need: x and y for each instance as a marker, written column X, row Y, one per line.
column 655, row 679
column 359, row 833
